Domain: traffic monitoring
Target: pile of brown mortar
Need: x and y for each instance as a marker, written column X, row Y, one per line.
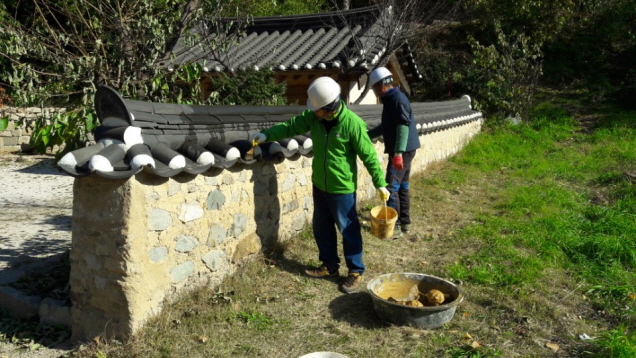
column 408, row 293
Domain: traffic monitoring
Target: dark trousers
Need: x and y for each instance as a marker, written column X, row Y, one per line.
column 398, row 180
column 337, row 211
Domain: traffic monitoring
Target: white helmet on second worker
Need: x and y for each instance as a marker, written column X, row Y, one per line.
column 321, row 92
column 379, row 74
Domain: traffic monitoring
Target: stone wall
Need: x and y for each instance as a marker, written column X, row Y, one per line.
column 17, row 136
column 140, row 242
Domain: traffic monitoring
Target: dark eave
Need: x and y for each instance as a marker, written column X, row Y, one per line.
column 168, row 139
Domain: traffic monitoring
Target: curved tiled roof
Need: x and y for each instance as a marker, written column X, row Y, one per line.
column 341, row 39
column 167, row 139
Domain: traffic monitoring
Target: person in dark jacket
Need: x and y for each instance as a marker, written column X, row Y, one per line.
column 401, row 141
column 339, row 137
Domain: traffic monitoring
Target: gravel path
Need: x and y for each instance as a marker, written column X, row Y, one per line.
column 36, row 204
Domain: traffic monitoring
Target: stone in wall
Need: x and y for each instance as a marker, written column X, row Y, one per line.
column 182, row 271
column 159, row 220
column 174, row 187
column 185, row 243
column 190, row 212
column 214, row 260
column 158, row 254
column 240, row 224
column 217, row 235
column 215, row 200
column 289, row 183
column 247, row 246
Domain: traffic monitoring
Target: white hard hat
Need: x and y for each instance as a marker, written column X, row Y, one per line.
column 321, row 92
column 379, row 74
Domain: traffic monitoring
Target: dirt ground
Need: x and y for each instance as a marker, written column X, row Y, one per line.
column 36, row 201
column 36, row 205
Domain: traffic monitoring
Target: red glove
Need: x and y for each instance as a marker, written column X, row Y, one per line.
column 398, row 164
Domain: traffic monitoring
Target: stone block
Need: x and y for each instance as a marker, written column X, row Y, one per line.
column 290, row 206
column 249, row 245
column 10, row 141
column 181, row 272
column 289, row 183
column 214, row 260
column 240, row 224
column 190, row 212
column 217, row 235
column 215, row 200
column 299, row 222
column 174, row 187
column 228, row 179
column 159, row 220
column 158, row 254
column 186, row 243
column 260, row 188
column 18, row 303
column 55, row 312
column 211, row 181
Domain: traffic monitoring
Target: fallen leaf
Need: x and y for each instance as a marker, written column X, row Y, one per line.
column 466, row 315
column 202, row 339
column 475, row 345
column 468, row 336
column 555, row 347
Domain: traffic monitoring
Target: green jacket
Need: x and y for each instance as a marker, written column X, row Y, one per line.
column 334, row 166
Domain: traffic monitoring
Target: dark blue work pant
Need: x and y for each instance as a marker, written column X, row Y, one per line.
column 398, row 180
column 333, row 211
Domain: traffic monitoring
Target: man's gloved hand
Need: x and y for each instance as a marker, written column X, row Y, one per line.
column 258, row 138
column 398, row 164
column 384, row 194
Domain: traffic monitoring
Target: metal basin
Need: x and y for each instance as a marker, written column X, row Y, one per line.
column 398, row 285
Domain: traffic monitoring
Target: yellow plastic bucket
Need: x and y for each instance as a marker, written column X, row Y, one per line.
column 383, row 220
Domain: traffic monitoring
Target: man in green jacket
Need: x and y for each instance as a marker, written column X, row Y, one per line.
column 339, row 137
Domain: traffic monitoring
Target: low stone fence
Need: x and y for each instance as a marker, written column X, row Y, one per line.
column 17, row 136
column 139, row 242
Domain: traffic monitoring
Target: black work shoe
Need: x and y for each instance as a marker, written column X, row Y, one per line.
column 405, row 228
column 351, row 283
column 397, row 232
column 322, row 272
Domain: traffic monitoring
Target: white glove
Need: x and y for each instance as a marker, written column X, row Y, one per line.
column 384, row 194
column 258, row 138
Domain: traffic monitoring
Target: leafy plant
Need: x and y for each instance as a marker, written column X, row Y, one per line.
column 59, row 52
column 255, row 319
column 503, row 76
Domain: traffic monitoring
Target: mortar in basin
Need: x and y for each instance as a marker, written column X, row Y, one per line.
column 398, row 286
